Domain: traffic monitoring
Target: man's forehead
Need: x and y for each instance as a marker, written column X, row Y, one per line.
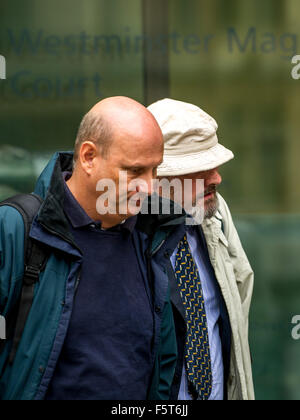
column 141, row 163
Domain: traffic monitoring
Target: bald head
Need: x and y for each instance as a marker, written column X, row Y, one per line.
column 119, row 142
column 114, row 117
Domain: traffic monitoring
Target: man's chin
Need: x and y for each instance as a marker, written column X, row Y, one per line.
column 211, row 207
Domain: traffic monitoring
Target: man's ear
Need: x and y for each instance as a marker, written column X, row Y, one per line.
column 87, row 155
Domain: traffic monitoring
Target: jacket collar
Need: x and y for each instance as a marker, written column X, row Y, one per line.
column 50, row 186
column 213, row 230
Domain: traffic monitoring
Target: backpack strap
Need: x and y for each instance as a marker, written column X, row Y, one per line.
column 35, row 259
column 28, row 205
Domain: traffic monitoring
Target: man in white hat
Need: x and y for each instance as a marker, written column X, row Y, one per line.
column 213, row 281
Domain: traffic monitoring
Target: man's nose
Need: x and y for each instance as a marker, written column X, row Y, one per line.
column 146, row 187
column 214, row 177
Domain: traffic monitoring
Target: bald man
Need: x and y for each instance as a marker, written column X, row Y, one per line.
column 100, row 326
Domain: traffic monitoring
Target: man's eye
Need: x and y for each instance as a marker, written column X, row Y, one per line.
column 136, row 171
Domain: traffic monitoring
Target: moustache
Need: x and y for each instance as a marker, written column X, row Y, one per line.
column 211, row 189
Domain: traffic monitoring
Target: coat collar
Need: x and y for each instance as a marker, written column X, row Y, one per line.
column 213, row 230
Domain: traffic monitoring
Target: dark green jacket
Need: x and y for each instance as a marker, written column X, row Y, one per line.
column 155, row 239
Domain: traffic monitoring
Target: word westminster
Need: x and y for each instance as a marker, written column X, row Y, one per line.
column 251, row 40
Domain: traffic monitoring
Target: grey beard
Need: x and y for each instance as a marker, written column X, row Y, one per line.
column 212, row 207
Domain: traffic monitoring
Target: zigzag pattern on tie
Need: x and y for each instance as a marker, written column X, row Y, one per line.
column 197, row 351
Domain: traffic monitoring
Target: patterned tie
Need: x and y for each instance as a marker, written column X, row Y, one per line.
column 197, row 352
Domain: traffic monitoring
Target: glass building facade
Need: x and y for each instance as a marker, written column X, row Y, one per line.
column 230, row 57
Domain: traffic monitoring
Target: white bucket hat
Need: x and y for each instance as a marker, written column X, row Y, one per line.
column 190, row 135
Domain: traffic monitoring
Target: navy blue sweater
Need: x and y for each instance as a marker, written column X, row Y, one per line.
column 107, row 352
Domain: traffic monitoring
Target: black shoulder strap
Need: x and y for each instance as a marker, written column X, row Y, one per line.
column 28, row 205
column 35, row 259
